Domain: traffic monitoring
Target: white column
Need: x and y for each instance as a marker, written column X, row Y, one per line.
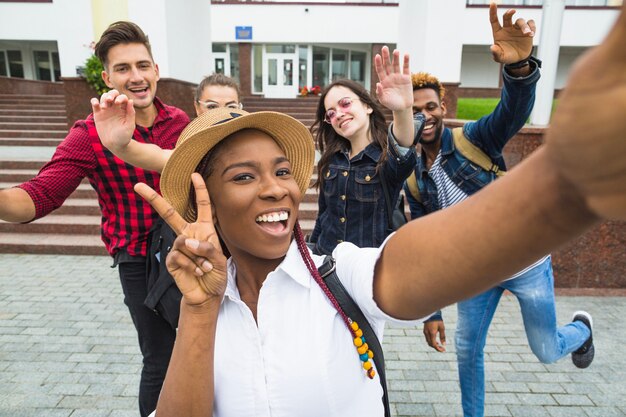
column 548, row 53
column 427, row 30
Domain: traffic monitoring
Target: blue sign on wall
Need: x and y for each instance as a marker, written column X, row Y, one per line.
column 243, row 32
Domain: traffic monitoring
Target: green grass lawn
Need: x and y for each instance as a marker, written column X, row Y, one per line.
column 475, row 108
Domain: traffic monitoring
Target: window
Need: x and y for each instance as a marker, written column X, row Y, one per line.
column 219, row 47
column 321, row 57
column 340, row 64
column 16, row 66
column 234, row 61
column 280, row 49
column 257, row 68
column 357, row 66
column 43, row 66
column 303, row 62
column 56, row 66
column 4, row 70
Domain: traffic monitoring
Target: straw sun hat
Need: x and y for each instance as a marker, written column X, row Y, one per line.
column 210, row 128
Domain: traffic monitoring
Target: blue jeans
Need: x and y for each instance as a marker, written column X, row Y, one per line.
column 535, row 292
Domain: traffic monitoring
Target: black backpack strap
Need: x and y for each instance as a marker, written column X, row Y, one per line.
column 352, row 310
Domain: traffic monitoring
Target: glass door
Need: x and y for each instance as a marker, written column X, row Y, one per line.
column 280, row 73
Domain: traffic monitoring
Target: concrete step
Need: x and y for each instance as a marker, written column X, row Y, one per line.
column 35, row 97
column 56, row 224
column 79, row 206
column 33, row 106
column 45, row 134
column 26, row 164
column 33, row 119
column 66, row 244
column 30, row 142
column 31, row 112
column 84, row 190
column 33, row 125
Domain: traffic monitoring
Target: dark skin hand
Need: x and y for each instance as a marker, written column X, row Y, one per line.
column 431, row 330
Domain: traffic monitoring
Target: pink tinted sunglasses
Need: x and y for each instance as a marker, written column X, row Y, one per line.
column 344, row 104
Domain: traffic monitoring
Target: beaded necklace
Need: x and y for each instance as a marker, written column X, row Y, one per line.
column 365, row 353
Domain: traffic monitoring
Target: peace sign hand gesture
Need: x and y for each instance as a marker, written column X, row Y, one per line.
column 196, row 260
column 512, row 42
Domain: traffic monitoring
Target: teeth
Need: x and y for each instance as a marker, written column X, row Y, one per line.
column 273, row 217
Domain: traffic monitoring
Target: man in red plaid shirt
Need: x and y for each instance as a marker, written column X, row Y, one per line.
column 126, row 218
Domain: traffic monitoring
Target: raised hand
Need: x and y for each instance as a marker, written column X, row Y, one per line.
column 587, row 135
column 512, row 42
column 394, row 88
column 114, row 116
column 196, row 260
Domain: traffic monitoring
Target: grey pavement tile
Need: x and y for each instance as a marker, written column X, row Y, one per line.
column 448, row 410
column 565, row 399
column 497, row 411
column 528, row 411
column 91, row 413
column 605, row 411
column 536, row 399
column 407, row 409
column 545, row 387
column 566, row 411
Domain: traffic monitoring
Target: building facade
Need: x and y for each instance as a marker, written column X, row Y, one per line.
column 277, row 48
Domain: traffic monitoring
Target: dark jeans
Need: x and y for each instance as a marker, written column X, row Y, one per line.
column 156, row 336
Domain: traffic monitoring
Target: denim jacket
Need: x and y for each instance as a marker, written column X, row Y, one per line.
column 490, row 133
column 351, row 199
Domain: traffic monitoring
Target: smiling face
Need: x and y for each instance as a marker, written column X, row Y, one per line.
column 131, row 70
column 256, row 198
column 426, row 100
column 351, row 116
column 214, row 96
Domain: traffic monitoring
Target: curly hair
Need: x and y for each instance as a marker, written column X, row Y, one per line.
column 425, row 80
column 330, row 142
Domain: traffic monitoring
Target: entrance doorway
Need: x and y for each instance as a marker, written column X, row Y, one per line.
column 280, row 75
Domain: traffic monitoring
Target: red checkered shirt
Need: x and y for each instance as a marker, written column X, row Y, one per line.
column 126, row 217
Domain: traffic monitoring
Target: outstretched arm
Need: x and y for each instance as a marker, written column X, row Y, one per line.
column 199, row 268
column 577, row 178
column 512, row 43
column 16, row 206
column 395, row 91
column 114, row 116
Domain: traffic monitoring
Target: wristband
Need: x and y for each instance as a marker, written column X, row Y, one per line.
column 523, row 63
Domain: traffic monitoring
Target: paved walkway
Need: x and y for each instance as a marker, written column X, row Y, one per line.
column 68, row 349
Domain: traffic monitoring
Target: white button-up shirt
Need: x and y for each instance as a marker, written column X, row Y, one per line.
column 300, row 359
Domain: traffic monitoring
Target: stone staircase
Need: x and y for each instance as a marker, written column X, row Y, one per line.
column 31, row 126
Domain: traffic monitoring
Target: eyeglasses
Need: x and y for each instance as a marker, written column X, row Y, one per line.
column 344, row 104
column 211, row 105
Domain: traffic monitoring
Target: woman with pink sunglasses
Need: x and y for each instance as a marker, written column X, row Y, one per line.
column 359, row 154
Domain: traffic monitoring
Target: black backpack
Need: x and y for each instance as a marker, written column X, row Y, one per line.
column 163, row 294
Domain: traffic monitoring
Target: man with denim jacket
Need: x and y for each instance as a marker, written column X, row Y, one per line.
column 445, row 176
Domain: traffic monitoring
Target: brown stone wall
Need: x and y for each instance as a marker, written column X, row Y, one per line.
column 178, row 93
column 450, row 99
column 376, row 48
column 78, row 93
column 597, row 259
column 245, row 69
column 10, row 85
